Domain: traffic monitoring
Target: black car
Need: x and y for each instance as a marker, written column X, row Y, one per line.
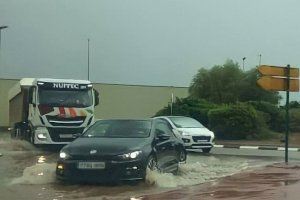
column 116, row 150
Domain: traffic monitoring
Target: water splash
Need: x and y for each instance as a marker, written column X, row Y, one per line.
column 198, row 172
column 43, row 173
column 16, row 145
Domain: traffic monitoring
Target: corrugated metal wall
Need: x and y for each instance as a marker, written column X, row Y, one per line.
column 116, row 101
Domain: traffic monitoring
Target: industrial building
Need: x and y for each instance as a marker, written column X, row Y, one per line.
column 116, row 100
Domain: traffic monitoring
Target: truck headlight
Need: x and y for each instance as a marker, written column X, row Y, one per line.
column 131, row 155
column 41, row 132
column 42, row 136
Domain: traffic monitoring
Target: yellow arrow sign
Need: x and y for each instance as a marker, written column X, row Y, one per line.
column 277, row 71
column 278, row 84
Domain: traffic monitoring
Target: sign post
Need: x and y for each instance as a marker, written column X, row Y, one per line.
column 172, row 101
column 274, row 78
column 287, row 116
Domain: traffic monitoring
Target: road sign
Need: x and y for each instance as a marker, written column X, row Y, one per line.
column 277, row 71
column 278, row 84
column 276, row 78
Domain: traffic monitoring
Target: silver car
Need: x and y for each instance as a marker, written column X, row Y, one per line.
column 192, row 132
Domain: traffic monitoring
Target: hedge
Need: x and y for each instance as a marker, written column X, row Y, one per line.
column 195, row 108
column 239, row 121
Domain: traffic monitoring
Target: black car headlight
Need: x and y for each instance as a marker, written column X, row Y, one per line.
column 131, row 155
column 64, row 155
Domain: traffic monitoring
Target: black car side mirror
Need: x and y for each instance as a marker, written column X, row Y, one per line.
column 160, row 135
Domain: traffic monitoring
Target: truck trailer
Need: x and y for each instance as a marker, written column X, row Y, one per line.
column 51, row 111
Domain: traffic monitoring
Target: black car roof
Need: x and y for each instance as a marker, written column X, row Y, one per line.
column 174, row 116
column 123, row 119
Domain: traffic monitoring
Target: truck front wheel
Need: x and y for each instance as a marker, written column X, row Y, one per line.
column 32, row 138
column 17, row 131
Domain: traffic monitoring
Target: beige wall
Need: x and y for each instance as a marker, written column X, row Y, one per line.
column 116, row 101
column 5, row 86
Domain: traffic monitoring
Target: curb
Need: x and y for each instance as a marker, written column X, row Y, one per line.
column 255, row 147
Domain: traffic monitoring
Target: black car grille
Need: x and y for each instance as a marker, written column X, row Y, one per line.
column 203, row 138
column 62, row 121
column 57, row 134
column 94, row 157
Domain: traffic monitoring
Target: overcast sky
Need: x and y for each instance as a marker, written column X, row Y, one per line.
column 145, row 42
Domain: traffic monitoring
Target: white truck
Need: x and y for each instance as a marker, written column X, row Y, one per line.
column 51, row 111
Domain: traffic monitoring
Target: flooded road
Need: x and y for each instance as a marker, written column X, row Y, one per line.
column 27, row 172
column 273, row 182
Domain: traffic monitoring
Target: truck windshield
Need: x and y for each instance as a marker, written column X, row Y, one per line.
column 66, row 98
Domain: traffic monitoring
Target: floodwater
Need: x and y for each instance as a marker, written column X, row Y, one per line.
column 27, row 172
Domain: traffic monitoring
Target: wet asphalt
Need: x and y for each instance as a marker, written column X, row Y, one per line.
column 27, row 172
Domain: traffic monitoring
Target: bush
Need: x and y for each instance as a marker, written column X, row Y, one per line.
column 295, row 120
column 239, row 121
column 197, row 109
column 250, row 120
column 273, row 115
column 294, row 104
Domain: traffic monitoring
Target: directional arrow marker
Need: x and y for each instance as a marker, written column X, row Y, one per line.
column 277, row 71
column 278, row 84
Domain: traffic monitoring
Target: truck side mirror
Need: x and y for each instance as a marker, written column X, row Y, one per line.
column 30, row 96
column 96, row 94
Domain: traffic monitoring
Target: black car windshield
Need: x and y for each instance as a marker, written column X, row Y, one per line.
column 185, row 122
column 67, row 98
column 120, row 129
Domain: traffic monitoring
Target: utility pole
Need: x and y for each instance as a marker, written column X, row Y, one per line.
column 172, row 101
column 244, row 58
column 88, row 57
column 1, row 28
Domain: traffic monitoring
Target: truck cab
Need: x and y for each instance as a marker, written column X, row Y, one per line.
column 55, row 111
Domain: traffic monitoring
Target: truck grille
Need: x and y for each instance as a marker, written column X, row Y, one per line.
column 202, row 138
column 64, row 134
column 61, row 121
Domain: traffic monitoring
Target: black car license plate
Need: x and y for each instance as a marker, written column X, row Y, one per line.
column 91, row 165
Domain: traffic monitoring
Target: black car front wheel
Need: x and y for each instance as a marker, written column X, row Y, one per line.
column 152, row 163
column 182, row 156
column 151, row 166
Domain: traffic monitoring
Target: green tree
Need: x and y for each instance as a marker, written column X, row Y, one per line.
column 250, row 91
column 229, row 84
column 218, row 84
